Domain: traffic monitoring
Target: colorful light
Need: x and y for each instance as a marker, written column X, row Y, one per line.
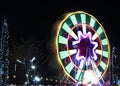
column 85, row 44
column 82, row 44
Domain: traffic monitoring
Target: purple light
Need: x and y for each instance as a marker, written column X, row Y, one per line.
column 85, row 47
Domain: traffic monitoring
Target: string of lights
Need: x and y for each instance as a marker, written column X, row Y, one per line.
column 113, row 67
column 4, row 50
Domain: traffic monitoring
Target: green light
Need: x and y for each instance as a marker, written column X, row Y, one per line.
column 78, row 75
column 103, row 65
column 98, row 72
column 69, row 67
column 69, row 31
column 105, row 54
column 73, row 19
column 80, row 79
column 92, row 22
column 62, row 40
column 83, row 18
column 66, row 27
column 104, row 41
column 65, row 54
column 99, row 31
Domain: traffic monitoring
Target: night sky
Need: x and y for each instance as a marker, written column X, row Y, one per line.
column 35, row 20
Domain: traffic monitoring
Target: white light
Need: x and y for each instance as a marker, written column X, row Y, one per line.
column 33, row 67
column 89, row 76
column 37, row 79
column 19, row 61
column 33, row 59
column 14, row 76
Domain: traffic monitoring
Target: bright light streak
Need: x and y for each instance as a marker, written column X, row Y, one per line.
column 33, row 59
column 84, row 28
column 94, row 36
column 37, row 79
column 19, row 61
column 98, row 51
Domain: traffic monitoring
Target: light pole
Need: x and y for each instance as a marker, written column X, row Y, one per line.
column 32, row 67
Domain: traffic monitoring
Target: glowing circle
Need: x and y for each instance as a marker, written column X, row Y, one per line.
column 82, row 45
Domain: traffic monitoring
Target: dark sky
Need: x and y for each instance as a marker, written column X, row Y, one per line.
column 35, row 20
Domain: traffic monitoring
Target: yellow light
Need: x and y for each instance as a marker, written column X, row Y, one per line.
column 46, row 79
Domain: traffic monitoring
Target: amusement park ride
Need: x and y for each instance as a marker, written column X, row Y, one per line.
column 83, row 50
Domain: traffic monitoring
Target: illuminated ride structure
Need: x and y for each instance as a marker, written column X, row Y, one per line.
column 83, row 48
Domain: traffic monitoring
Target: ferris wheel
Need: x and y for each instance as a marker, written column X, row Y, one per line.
column 83, row 47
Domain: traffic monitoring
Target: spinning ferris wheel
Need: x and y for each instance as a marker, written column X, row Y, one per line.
column 83, row 47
